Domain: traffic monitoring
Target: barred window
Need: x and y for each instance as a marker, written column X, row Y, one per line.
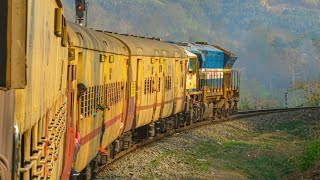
column 110, row 73
column 145, row 86
column 91, row 104
column 159, row 84
column 107, row 95
column 148, row 82
column 166, row 83
column 118, row 92
column 112, row 93
column 150, row 85
column 181, row 83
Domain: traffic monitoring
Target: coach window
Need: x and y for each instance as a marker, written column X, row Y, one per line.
column 3, row 68
column 181, row 85
column 159, row 84
column 147, row 88
column 166, row 83
column 112, row 95
column 108, row 94
column 151, row 85
column 3, row 42
column 110, row 73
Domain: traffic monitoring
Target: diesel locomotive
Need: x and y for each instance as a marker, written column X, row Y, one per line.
column 135, row 89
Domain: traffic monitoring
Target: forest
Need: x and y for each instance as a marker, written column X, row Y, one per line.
column 277, row 41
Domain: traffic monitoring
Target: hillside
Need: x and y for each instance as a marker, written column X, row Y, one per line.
column 276, row 40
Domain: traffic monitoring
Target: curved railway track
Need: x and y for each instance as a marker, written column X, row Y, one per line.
column 239, row 115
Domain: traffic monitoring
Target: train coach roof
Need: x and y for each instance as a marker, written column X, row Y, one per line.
column 141, row 46
column 90, row 39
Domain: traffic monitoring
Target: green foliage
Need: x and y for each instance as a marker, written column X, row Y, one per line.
column 311, row 155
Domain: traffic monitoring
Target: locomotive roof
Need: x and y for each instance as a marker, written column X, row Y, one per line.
column 190, row 54
column 90, row 39
column 206, row 47
column 142, row 46
column 187, row 46
column 229, row 53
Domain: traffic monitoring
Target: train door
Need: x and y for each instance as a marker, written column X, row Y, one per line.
column 163, row 87
column 70, row 132
column 155, row 76
column 178, row 85
column 124, row 95
column 159, row 88
column 141, row 90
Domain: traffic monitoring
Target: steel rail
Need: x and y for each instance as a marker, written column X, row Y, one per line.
column 239, row 115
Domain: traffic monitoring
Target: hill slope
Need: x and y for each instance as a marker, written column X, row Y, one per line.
column 275, row 40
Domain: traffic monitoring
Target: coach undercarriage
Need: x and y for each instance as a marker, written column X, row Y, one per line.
column 197, row 112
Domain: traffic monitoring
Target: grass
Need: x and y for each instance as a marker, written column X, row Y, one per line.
column 295, row 128
column 311, row 155
column 269, row 154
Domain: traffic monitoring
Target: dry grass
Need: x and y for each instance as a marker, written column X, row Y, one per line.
column 267, row 147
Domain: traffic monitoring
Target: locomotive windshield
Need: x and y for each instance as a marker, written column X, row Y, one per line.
column 193, row 65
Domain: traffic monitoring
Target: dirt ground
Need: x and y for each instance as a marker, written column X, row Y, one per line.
column 274, row 146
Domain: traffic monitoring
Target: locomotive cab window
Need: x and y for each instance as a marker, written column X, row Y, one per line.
column 192, row 65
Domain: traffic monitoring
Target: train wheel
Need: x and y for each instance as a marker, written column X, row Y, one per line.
column 219, row 113
column 195, row 115
column 200, row 114
column 214, row 115
column 235, row 109
column 87, row 173
column 163, row 127
column 231, row 110
column 203, row 110
column 176, row 122
column 188, row 119
column 226, row 113
column 182, row 120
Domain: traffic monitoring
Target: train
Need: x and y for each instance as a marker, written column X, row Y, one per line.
column 62, row 84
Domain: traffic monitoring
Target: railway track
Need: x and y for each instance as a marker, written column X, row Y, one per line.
column 239, row 115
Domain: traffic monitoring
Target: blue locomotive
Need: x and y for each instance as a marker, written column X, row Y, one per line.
column 212, row 84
